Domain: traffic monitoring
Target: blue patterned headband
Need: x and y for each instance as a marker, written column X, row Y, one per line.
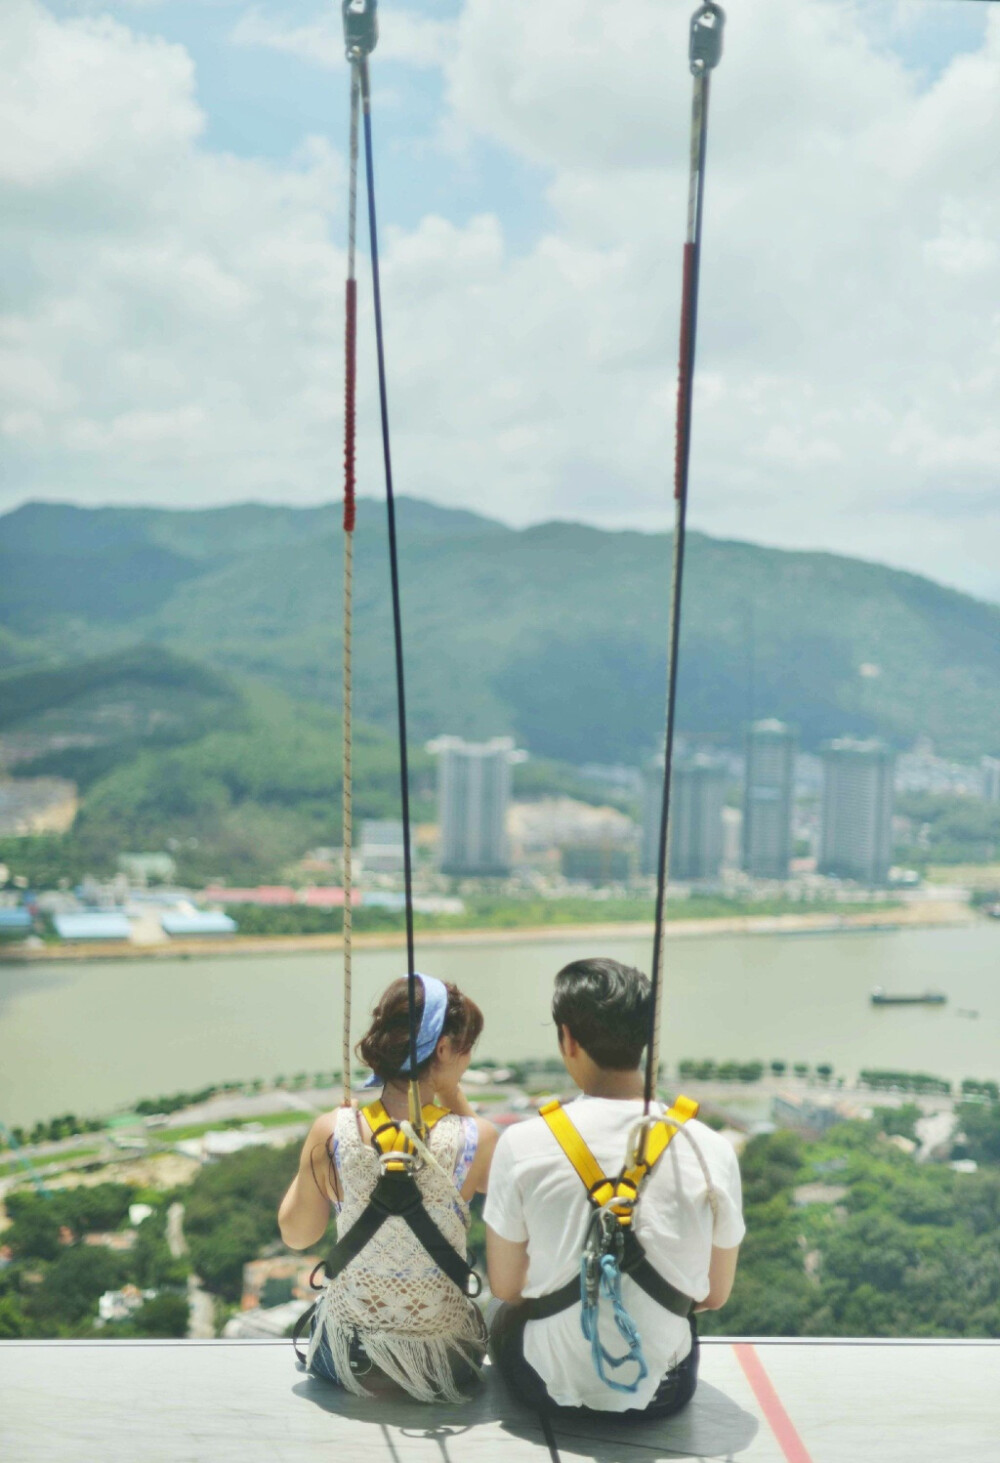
column 432, row 1021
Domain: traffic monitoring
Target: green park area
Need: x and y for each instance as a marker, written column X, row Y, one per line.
column 847, row 1235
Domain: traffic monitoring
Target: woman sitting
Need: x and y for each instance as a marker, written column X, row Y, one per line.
column 391, row 1310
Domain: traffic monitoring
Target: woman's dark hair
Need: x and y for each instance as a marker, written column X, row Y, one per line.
column 605, row 1005
column 386, row 1044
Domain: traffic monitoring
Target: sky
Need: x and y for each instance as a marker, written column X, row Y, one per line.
column 172, row 230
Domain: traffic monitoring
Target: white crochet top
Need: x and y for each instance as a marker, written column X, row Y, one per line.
column 409, row 1318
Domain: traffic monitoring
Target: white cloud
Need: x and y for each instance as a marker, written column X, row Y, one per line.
column 412, row 39
column 175, row 333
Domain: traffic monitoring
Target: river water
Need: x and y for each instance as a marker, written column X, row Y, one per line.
column 88, row 1036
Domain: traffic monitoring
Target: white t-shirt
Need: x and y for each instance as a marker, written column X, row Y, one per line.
column 536, row 1195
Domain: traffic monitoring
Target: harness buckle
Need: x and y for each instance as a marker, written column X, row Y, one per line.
column 706, row 37
column 591, row 1277
column 360, row 28
column 394, row 1149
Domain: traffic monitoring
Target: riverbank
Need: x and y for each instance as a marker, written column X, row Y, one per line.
column 923, row 915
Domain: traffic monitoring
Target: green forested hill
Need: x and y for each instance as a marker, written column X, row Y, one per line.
column 233, row 776
column 554, row 633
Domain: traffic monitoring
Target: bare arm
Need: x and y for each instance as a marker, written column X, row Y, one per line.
column 506, row 1265
column 721, row 1274
column 305, row 1210
column 479, row 1172
column 455, row 1100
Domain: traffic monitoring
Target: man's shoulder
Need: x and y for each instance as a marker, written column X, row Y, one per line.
column 523, row 1135
column 717, row 1151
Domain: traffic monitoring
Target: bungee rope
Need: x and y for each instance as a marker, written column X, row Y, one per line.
column 704, row 55
column 350, row 400
column 360, row 37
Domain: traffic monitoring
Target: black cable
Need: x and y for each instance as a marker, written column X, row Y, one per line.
column 706, row 49
column 397, row 618
column 549, row 1435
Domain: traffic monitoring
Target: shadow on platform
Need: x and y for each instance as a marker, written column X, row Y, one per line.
column 711, row 1425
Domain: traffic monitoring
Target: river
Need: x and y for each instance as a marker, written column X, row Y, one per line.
column 88, row 1036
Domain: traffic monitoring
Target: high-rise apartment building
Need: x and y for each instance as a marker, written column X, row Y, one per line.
column 768, row 796
column 697, row 796
column 473, row 796
column 856, row 818
column 381, row 847
column 991, row 779
column 652, row 800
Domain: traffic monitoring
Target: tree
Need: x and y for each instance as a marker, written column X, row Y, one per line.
column 34, row 1233
column 13, row 1322
column 74, row 1281
column 102, row 1207
column 901, row 1121
column 220, row 1255
column 162, row 1315
column 981, row 1126
column 770, row 1163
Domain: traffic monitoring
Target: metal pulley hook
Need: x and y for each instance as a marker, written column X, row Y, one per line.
column 706, row 37
column 360, row 27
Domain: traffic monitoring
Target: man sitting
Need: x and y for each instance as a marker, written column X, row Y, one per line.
column 538, row 1217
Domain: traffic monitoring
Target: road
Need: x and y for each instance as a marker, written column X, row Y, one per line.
column 201, row 1315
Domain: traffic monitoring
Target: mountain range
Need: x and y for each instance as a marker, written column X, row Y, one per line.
column 555, row 633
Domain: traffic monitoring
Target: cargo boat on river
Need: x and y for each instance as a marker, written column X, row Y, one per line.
column 881, row 997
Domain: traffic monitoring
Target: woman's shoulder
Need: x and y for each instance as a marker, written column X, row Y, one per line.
column 339, row 1123
column 323, row 1127
column 488, row 1132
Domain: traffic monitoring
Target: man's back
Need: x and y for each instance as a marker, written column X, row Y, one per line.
column 536, row 1195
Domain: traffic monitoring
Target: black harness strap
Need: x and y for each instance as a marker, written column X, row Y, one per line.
column 367, row 1226
column 636, row 1266
column 396, row 1196
column 300, row 1326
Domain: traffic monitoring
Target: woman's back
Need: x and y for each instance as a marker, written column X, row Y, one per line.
column 392, row 1301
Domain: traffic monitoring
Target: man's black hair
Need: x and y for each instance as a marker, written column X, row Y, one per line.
column 605, row 1005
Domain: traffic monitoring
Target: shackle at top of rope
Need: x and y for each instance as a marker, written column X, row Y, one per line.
column 706, row 38
column 360, row 28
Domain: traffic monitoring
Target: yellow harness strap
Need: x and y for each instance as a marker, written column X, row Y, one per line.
column 625, row 1188
column 388, row 1135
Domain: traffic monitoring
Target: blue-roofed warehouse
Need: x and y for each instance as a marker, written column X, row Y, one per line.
column 93, row 924
column 198, row 922
column 15, row 922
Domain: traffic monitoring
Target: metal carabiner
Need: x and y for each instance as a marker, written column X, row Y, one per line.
column 360, row 27
column 706, row 37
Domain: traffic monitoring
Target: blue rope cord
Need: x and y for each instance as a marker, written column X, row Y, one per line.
column 610, row 1286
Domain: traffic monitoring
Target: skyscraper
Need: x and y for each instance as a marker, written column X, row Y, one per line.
column 473, row 794
column 991, row 779
column 652, row 800
column 697, row 795
column 767, row 799
column 856, row 820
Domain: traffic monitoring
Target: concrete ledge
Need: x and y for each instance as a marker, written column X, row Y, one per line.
column 762, row 1401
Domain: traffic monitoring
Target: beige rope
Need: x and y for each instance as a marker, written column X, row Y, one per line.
column 347, row 766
